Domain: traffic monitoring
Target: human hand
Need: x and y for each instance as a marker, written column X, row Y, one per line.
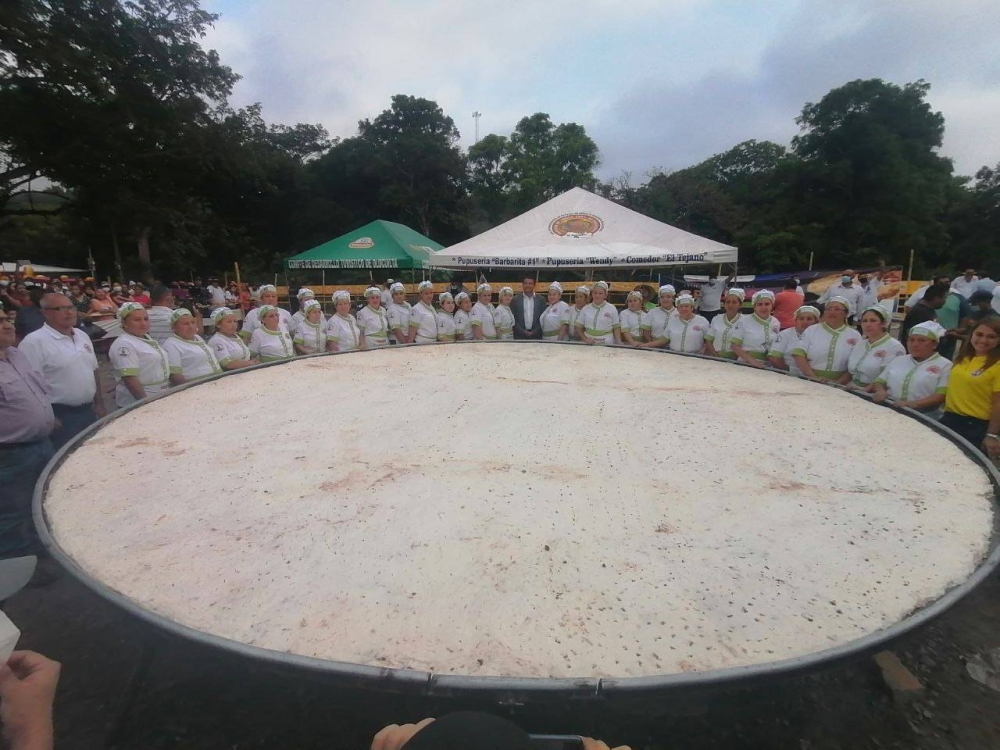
column 393, row 737
column 592, row 744
column 992, row 448
column 27, row 689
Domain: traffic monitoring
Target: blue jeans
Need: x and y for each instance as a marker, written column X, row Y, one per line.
column 19, row 469
column 74, row 420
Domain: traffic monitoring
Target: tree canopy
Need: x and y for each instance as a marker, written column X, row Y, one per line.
column 115, row 110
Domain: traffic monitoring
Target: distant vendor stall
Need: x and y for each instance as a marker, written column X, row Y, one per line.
column 380, row 244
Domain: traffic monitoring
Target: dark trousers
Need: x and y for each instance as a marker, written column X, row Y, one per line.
column 708, row 314
column 19, row 469
column 74, row 420
column 972, row 429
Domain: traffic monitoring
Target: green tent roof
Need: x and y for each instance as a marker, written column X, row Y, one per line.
column 381, row 244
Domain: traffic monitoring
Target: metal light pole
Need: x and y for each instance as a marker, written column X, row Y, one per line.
column 475, row 116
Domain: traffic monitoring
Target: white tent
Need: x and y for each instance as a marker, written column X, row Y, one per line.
column 581, row 230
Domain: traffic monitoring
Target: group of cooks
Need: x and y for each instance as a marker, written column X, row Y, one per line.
column 822, row 344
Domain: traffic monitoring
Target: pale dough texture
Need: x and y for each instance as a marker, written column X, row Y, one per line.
column 523, row 510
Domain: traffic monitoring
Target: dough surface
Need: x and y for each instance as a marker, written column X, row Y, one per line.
column 523, row 510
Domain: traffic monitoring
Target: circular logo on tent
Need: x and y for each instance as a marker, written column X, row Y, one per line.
column 576, row 225
column 362, row 242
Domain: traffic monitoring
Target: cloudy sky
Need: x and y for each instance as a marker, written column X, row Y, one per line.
column 657, row 83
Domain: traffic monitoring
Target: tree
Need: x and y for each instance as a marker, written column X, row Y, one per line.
column 489, row 181
column 111, row 99
column 870, row 175
column 973, row 220
column 538, row 162
column 419, row 166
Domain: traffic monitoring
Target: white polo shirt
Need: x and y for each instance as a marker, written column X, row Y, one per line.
column 141, row 357
column 481, row 316
column 423, row 320
column 374, row 324
column 686, row 335
column 252, row 322
column 66, row 362
column 193, row 359
column 160, row 328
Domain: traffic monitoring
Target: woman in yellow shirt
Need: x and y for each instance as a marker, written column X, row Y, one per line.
column 972, row 403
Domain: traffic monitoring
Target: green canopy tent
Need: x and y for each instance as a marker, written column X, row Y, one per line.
column 380, row 244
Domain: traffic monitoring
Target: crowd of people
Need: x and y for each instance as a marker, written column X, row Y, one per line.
column 945, row 361
column 51, row 389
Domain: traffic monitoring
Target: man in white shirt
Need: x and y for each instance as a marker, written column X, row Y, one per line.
column 711, row 297
column 847, row 289
column 965, row 284
column 869, row 291
column 216, row 294
column 527, row 309
column 160, row 328
column 65, row 357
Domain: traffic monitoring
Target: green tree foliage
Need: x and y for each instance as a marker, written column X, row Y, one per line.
column 404, row 165
column 539, row 161
column 119, row 105
column 419, row 165
column 112, row 100
column 869, row 175
column 974, row 224
column 863, row 182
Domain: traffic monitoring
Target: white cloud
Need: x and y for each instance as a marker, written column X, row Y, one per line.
column 657, row 82
column 824, row 44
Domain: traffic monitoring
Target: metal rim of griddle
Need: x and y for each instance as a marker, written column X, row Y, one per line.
column 518, row 688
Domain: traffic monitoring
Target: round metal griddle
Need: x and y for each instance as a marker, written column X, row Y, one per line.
column 515, row 688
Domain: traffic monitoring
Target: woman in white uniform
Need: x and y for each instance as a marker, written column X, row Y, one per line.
column 373, row 320
column 875, row 352
column 686, row 331
column 423, row 316
column 918, row 379
column 271, row 342
column 399, row 315
column 503, row 317
column 447, row 330
column 230, row 351
column 553, row 326
column 310, row 332
column 718, row 340
column 756, row 332
column 825, row 349
column 631, row 319
column 598, row 322
column 463, row 323
column 303, row 296
column 481, row 316
column 268, row 298
column 581, row 298
column 141, row 366
column 188, row 355
column 342, row 331
column 781, row 356
column 654, row 327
